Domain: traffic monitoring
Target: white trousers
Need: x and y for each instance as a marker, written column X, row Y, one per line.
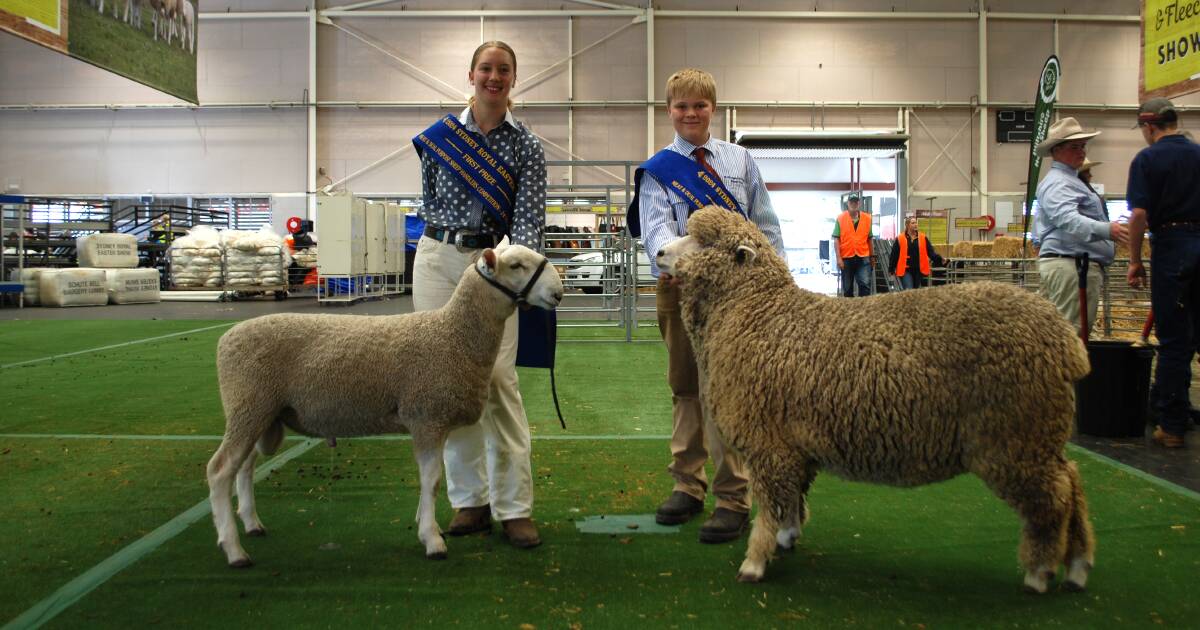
column 487, row 462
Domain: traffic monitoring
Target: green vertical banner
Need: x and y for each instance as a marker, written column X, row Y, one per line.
column 1047, row 93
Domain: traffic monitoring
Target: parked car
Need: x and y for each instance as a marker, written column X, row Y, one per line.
column 589, row 273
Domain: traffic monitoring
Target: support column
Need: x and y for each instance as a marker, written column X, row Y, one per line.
column 311, row 176
column 984, row 112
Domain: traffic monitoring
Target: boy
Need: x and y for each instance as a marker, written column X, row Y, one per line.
column 713, row 172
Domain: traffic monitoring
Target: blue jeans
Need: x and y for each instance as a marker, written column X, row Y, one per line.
column 856, row 270
column 912, row 279
column 1175, row 298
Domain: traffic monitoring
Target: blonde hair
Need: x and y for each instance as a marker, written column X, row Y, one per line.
column 692, row 82
column 479, row 51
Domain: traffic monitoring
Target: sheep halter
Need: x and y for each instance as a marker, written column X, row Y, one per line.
column 518, row 298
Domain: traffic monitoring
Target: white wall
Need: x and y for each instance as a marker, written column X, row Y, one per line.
column 263, row 150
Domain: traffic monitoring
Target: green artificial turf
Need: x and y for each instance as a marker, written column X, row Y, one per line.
column 871, row 556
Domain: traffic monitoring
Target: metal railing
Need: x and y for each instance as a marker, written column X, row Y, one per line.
column 1122, row 312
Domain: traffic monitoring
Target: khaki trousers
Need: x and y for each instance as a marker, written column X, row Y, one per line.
column 693, row 435
column 487, row 462
column 1059, row 283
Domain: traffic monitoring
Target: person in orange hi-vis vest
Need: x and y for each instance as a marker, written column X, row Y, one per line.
column 852, row 231
column 913, row 256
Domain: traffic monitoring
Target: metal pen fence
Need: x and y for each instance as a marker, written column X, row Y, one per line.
column 1122, row 312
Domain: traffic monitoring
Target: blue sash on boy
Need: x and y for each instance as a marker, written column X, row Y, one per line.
column 467, row 155
column 687, row 178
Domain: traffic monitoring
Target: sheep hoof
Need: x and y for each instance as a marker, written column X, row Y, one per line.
column 748, row 577
column 1037, row 583
column 1077, row 575
column 241, row 563
column 257, row 531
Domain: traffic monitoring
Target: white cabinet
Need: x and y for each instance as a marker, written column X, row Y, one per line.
column 342, row 231
column 375, row 236
column 394, row 238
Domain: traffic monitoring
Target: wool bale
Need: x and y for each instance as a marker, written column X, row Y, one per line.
column 30, row 277
column 73, row 287
column 132, row 286
column 107, row 251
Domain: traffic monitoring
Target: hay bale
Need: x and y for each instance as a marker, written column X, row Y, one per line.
column 1006, row 247
column 981, row 250
column 1123, row 250
column 961, row 249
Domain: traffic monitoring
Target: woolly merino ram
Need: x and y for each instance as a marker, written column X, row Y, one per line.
column 330, row 376
column 876, row 390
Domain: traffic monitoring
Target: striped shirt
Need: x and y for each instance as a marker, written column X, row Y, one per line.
column 664, row 213
column 448, row 203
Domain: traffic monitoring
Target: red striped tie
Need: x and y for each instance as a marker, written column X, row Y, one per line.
column 699, row 153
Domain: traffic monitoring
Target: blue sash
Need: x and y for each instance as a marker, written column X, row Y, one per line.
column 466, row 154
column 687, row 178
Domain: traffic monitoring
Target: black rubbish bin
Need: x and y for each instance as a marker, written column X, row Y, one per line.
column 1112, row 401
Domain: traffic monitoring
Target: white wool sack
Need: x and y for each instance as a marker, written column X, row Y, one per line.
column 132, row 286
column 30, row 277
column 107, row 251
column 73, row 287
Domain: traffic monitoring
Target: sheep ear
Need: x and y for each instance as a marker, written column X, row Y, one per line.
column 489, row 259
column 746, row 254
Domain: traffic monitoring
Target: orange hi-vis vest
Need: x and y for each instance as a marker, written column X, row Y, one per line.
column 922, row 255
column 854, row 241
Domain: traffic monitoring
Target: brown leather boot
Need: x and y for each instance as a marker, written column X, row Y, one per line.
column 1167, row 440
column 471, row 520
column 522, row 533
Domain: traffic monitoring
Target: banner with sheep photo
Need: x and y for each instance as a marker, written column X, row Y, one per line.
column 150, row 41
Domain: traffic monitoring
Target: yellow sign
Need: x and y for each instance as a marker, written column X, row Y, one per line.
column 605, row 209
column 1170, row 48
column 1017, row 228
column 972, row 222
column 41, row 13
column 554, row 209
column 934, row 229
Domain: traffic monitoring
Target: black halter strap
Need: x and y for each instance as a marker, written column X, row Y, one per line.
column 518, row 298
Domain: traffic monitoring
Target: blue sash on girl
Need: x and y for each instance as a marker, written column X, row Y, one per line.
column 687, row 178
column 467, row 155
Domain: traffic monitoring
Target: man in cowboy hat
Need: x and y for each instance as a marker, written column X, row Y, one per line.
column 1164, row 192
column 1071, row 223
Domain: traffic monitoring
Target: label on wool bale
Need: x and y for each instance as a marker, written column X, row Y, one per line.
column 107, row 251
column 132, row 286
column 73, row 287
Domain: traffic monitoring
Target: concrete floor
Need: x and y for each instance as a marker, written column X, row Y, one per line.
column 1179, row 466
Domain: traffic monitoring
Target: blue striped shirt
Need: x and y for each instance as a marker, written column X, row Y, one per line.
column 664, row 213
column 1070, row 219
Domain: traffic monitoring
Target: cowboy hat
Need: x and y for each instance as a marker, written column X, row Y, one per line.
column 1062, row 131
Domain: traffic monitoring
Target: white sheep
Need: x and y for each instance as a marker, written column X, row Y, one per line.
column 331, row 376
column 902, row 389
